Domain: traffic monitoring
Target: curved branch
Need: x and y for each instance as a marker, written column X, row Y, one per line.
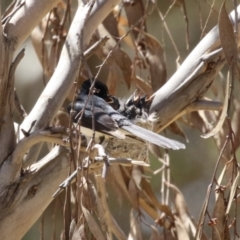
column 30, row 196
column 10, row 170
column 62, row 80
column 25, row 19
column 181, row 79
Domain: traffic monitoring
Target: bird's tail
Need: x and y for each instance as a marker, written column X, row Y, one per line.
column 153, row 137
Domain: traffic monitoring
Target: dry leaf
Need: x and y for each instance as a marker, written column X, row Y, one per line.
column 202, row 216
column 227, row 36
column 180, row 229
column 174, row 128
column 223, row 115
column 182, row 211
column 143, row 85
column 155, row 234
column 135, row 11
column 233, row 191
column 79, row 233
column 134, row 194
column 135, row 228
column 235, row 122
column 111, row 24
column 125, row 64
column 150, row 195
column 113, row 77
column 219, row 214
column 118, row 62
column 149, row 209
column 72, row 228
column 120, row 180
column 155, row 57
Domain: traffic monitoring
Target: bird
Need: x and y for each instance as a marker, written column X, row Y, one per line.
column 108, row 121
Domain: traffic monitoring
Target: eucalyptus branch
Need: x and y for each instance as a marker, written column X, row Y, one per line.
column 25, row 19
column 33, row 189
column 161, row 106
column 10, row 171
column 62, row 80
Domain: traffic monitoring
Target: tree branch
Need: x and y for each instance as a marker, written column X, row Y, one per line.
column 62, row 80
column 31, row 194
column 25, row 19
column 163, row 110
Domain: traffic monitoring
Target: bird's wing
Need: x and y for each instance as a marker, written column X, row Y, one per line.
column 102, row 121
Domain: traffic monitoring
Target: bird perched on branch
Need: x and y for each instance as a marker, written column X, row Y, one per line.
column 108, row 121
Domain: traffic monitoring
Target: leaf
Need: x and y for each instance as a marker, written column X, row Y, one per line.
column 125, row 64
column 155, row 56
column 118, row 62
column 149, row 209
column 135, row 229
column 155, row 234
column 235, row 122
column 72, row 228
column 232, row 193
column 174, row 128
column 143, row 86
column 120, row 181
column 110, row 23
column 219, row 214
column 150, row 195
column 134, row 194
column 182, row 211
column 219, row 180
column 93, row 226
column 199, row 233
column 227, row 36
column 109, row 219
column 223, row 115
column 113, row 77
column 78, row 233
column 181, row 231
column 135, row 11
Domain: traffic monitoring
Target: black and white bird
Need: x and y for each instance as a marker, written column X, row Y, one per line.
column 108, row 121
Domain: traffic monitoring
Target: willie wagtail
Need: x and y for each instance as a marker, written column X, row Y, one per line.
column 107, row 120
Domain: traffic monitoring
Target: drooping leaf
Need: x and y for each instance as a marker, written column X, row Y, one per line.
column 92, row 224
column 155, row 234
column 155, row 57
column 110, row 23
column 219, row 216
column 135, row 11
column 227, row 36
column 182, row 212
column 135, row 229
column 233, row 191
column 174, row 127
column 125, row 64
column 143, row 85
column 223, row 115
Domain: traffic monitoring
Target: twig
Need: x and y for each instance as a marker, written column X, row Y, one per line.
column 92, row 49
column 96, row 164
column 204, row 210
